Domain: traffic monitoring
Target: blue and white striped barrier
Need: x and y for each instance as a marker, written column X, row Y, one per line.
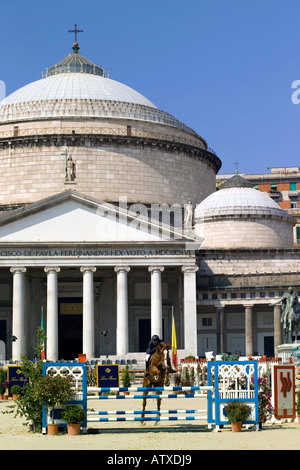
column 149, row 389
column 114, row 416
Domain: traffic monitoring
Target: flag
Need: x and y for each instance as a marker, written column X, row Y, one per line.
column 43, row 352
column 174, row 343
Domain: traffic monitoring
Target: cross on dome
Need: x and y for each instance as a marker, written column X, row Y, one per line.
column 75, row 30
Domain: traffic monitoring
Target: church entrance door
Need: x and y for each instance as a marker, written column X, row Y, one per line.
column 70, row 328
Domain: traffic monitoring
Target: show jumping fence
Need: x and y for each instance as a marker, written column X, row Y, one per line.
column 226, row 381
column 197, row 414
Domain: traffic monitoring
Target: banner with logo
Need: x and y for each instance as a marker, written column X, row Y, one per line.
column 108, row 375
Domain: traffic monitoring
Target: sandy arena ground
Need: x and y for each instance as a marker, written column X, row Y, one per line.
column 164, row 436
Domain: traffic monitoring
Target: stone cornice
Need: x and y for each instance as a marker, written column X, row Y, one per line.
column 98, row 140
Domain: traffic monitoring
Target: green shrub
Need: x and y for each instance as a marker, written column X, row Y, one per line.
column 237, row 411
column 73, row 414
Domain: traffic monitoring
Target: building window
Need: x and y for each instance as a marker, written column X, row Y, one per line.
column 298, row 235
column 293, row 186
column 252, row 295
column 224, row 295
column 262, row 294
column 255, row 186
column 293, row 202
column 273, row 186
column 233, row 296
column 214, row 296
column 243, row 295
column 206, row 321
column 271, row 294
column 205, row 296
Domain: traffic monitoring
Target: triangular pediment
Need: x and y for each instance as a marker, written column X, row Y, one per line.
column 70, row 217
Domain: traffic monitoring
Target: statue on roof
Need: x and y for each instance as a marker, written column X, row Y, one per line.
column 189, row 215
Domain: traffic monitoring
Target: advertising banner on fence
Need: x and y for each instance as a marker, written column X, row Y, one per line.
column 283, row 391
column 108, row 375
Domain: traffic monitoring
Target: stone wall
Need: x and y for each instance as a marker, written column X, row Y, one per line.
column 248, row 268
column 144, row 173
column 251, row 232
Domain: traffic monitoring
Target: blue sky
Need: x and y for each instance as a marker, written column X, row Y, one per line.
column 223, row 67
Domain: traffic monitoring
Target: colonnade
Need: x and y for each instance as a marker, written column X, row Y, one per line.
column 88, row 328
column 249, row 328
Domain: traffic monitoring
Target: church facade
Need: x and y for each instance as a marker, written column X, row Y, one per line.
column 98, row 231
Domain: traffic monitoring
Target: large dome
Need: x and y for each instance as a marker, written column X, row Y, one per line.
column 120, row 143
column 76, row 86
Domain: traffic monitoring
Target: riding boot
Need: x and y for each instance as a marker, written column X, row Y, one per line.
column 147, row 368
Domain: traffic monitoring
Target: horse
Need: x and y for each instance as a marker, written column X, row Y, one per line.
column 159, row 369
column 291, row 324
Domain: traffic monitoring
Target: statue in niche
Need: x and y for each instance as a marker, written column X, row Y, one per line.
column 189, row 215
column 71, row 169
column 290, row 316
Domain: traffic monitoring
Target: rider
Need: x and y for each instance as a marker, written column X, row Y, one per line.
column 154, row 341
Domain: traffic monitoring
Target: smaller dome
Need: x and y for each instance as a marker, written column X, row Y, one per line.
column 241, row 200
column 238, row 216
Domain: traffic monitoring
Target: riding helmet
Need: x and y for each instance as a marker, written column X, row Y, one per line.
column 155, row 339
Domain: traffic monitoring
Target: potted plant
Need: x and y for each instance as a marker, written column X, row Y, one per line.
column 16, row 391
column 6, row 385
column 126, row 380
column 237, row 412
column 1, row 391
column 73, row 415
column 55, row 391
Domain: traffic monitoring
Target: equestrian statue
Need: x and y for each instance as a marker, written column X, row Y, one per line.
column 290, row 316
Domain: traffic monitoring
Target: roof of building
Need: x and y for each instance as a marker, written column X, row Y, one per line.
column 75, row 62
column 76, row 86
column 237, row 196
column 76, row 79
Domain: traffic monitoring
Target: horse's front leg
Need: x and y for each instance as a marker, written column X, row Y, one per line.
column 158, row 409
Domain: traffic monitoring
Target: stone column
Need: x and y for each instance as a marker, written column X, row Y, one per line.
column 88, row 312
column 18, row 316
column 156, row 301
column 190, row 309
column 220, row 329
column 52, row 314
column 122, row 310
column 277, row 327
column 248, row 330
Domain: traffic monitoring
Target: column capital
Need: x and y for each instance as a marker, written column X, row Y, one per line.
column 84, row 269
column 48, row 269
column 155, row 269
column 17, row 269
column 189, row 269
column 123, row 269
column 248, row 305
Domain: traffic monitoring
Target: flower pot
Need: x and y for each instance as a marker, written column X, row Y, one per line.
column 5, row 397
column 15, row 396
column 236, row 427
column 298, row 416
column 52, row 429
column 74, row 429
column 1, row 396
